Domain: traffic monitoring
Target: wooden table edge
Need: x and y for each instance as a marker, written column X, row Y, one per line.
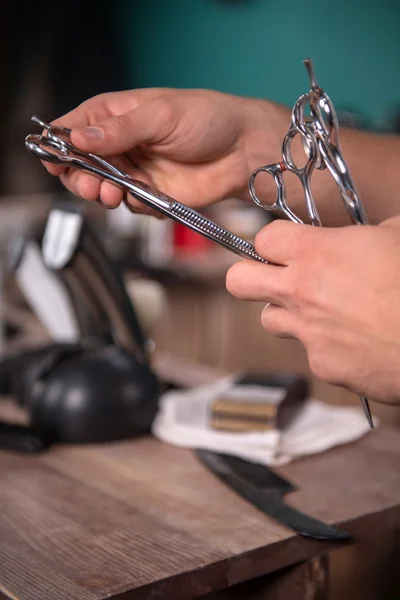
column 257, row 562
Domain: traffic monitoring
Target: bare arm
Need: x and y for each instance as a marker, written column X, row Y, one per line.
column 201, row 146
column 373, row 159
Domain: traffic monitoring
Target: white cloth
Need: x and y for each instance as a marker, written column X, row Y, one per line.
column 183, row 420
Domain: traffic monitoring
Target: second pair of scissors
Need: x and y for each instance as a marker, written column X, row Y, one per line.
column 320, row 140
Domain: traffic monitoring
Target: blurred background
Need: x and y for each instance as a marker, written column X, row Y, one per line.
column 53, row 56
column 54, row 59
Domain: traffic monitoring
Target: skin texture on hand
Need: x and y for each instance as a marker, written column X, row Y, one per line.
column 338, row 292
column 201, row 146
column 195, row 146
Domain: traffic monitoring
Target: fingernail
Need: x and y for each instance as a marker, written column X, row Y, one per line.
column 92, row 133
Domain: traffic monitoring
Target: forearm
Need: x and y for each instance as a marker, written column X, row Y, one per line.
column 373, row 161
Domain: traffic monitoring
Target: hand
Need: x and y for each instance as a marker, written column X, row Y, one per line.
column 338, row 292
column 197, row 146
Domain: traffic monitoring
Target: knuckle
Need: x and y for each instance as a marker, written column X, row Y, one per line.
column 302, row 287
column 87, row 190
column 261, row 240
column 70, row 180
column 296, row 290
column 164, row 114
column 267, row 236
column 93, row 106
column 163, row 106
column 306, row 242
column 116, row 126
column 318, row 365
column 321, row 364
column 292, row 281
column 98, row 98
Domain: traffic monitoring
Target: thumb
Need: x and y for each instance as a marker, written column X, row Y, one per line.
column 149, row 122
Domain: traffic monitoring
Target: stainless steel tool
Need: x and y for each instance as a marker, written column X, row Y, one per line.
column 320, row 139
column 56, row 147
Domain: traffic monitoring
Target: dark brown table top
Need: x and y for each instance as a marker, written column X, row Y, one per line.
column 142, row 519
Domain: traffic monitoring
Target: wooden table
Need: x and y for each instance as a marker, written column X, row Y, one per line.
column 140, row 519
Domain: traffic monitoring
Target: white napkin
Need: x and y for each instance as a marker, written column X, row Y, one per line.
column 183, row 420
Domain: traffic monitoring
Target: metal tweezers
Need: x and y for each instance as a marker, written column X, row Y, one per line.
column 56, row 147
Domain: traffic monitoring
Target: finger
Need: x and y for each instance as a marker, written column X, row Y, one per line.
column 81, row 184
column 249, row 280
column 278, row 321
column 111, row 195
column 91, row 111
column 149, row 122
column 102, row 205
column 53, row 169
column 67, row 180
column 110, row 199
column 87, row 113
column 79, row 117
column 280, row 242
column 101, row 107
column 90, row 187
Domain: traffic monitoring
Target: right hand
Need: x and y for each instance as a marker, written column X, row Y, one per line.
column 197, row 146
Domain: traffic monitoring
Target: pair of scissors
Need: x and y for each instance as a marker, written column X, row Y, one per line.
column 298, row 127
column 320, row 140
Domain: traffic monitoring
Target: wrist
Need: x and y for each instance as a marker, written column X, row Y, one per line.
column 264, row 126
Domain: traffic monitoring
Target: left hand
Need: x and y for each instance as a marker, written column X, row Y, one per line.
column 338, row 292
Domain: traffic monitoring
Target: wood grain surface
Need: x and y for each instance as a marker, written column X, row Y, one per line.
column 142, row 519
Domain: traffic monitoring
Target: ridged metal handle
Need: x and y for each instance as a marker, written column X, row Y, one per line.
column 215, row 232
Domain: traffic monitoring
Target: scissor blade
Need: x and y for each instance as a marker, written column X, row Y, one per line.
column 367, row 411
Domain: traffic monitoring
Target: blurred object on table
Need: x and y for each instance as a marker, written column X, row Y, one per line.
column 186, row 418
column 94, row 381
column 188, row 242
column 259, row 402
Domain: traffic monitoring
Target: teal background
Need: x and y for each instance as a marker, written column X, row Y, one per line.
column 256, row 47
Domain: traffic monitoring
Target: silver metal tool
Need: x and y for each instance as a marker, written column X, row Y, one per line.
column 56, row 147
column 320, row 140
